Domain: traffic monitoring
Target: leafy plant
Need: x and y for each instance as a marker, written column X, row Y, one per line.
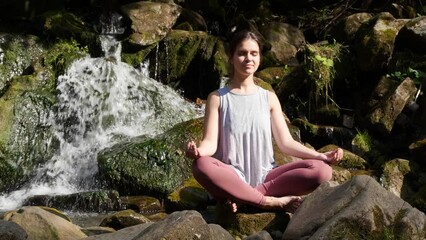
column 363, row 141
column 319, row 66
column 416, row 75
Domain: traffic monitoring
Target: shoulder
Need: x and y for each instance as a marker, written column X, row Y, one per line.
column 214, row 98
column 271, row 95
column 273, row 100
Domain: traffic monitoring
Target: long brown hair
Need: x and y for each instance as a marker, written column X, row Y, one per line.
column 236, row 39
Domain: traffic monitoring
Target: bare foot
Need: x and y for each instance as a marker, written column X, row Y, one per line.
column 287, row 203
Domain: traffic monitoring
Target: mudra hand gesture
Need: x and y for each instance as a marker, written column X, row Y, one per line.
column 333, row 157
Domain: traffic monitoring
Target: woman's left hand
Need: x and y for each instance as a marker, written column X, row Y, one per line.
column 334, row 157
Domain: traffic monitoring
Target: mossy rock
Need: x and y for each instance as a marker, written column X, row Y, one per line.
column 150, row 166
column 191, row 195
column 66, row 25
column 176, row 52
column 19, row 55
column 321, row 135
column 24, row 130
column 94, row 201
column 136, row 57
column 349, row 161
column 274, row 75
column 145, row 205
column 249, row 220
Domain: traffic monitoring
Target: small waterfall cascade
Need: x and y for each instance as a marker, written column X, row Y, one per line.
column 101, row 101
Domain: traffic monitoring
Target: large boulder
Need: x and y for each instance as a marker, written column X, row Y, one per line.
column 178, row 225
column 347, row 28
column 387, row 102
column 413, row 35
column 41, row 224
column 375, row 41
column 285, row 40
column 17, row 54
column 150, row 21
column 154, row 167
column 25, row 131
column 355, row 209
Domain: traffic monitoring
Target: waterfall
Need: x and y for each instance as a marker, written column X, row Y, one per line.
column 101, row 101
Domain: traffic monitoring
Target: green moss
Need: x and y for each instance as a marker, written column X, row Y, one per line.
column 61, row 54
column 363, row 141
column 320, row 69
column 151, row 166
column 135, row 59
column 220, row 59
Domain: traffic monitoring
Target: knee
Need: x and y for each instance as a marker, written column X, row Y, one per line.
column 324, row 172
column 199, row 166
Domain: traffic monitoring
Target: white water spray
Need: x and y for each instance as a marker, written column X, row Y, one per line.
column 101, row 101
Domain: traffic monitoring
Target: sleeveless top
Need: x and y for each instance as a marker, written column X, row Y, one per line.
column 245, row 138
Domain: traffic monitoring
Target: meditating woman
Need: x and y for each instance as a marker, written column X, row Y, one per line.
column 235, row 161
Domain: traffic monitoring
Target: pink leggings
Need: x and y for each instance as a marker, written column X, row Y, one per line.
column 295, row 178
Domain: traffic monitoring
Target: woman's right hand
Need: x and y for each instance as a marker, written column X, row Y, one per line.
column 192, row 150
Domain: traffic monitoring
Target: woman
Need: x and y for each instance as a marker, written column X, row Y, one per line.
column 234, row 160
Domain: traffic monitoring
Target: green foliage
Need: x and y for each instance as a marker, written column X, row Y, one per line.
column 319, row 66
column 416, row 75
column 363, row 141
column 62, row 54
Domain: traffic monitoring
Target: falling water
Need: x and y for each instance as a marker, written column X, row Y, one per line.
column 101, row 101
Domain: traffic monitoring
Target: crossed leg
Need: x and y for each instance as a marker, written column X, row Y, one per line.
column 280, row 190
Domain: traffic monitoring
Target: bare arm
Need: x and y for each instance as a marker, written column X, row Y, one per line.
column 285, row 141
column 209, row 142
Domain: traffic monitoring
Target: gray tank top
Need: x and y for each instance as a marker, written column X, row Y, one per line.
column 245, row 138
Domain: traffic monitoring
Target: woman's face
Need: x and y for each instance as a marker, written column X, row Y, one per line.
column 246, row 58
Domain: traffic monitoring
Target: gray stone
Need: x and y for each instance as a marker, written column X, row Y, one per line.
column 11, row 231
column 357, row 208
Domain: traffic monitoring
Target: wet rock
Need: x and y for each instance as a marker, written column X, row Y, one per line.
column 92, row 201
column 154, row 167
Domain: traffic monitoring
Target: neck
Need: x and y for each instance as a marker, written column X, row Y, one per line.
column 242, row 85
